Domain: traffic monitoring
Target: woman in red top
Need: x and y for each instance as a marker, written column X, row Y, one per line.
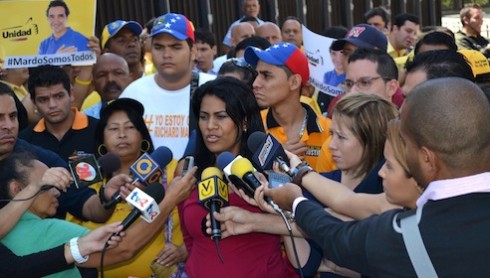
column 227, row 114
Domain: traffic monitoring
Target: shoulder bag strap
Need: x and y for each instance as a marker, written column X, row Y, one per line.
column 415, row 247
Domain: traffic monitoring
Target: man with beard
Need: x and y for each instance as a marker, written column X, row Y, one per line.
column 110, row 77
column 469, row 36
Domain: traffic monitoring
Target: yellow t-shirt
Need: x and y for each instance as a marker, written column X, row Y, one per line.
column 139, row 266
column 20, row 91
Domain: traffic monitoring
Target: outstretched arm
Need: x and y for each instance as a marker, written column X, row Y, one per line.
column 343, row 200
column 58, row 258
column 11, row 213
column 138, row 235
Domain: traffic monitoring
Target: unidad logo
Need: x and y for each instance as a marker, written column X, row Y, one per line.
column 20, row 32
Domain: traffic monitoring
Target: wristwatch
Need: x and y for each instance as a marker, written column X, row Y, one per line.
column 300, row 171
column 106, row 204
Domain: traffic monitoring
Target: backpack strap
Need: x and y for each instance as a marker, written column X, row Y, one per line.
column 192, row 117
column 415, row 246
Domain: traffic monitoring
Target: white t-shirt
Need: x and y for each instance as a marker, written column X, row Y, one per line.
column 166, row 112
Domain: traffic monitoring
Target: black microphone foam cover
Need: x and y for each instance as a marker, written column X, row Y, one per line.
column 109, row 163
column 255, row 140
column 156, row 191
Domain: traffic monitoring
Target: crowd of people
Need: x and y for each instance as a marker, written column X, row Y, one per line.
column 387, row 179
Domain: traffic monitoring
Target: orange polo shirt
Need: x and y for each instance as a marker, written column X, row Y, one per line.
column 316, row 133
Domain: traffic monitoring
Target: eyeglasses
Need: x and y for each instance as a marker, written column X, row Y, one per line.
column 362, row 83
column 241, row 63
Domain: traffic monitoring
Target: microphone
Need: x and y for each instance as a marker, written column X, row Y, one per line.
column 213, row 195
column 243, row 169
column 108, row 164
column 266, row 149
column 147, row 169
column 87, row 170
column 145, row 204
column 224, row 162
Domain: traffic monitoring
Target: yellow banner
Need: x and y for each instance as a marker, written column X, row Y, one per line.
column 29, row 29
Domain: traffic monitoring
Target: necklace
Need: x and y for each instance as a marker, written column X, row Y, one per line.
column 303, row 126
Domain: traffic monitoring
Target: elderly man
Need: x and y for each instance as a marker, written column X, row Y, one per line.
column 250, row 8
column 269, row 31
column 111, row 76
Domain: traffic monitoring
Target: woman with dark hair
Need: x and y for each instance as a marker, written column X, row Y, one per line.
column 227, row 114
column 130, row 112
column 238, row 108
column 122, row 131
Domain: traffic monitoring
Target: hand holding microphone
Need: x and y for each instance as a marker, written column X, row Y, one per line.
column 86, row 170
column 224, row 162
column 144, row 203
column 213, row 195
column 147, row 169
column 266, row 150
column 243, row 168
column 57, row 177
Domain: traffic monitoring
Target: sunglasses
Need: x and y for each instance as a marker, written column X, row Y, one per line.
column 241, row 63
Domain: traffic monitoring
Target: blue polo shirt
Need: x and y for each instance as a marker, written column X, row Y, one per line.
column 71, row 38
column 332, row 78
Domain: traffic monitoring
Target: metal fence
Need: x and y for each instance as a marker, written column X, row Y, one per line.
column 219, row 14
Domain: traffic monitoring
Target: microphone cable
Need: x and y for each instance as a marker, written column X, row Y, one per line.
column 216, row 237
column 218, row 250
column 102, row 254
column 290, row 231
column 41, row 189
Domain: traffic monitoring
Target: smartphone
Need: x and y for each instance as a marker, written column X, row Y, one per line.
column 278, row 180
column 188, row 164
